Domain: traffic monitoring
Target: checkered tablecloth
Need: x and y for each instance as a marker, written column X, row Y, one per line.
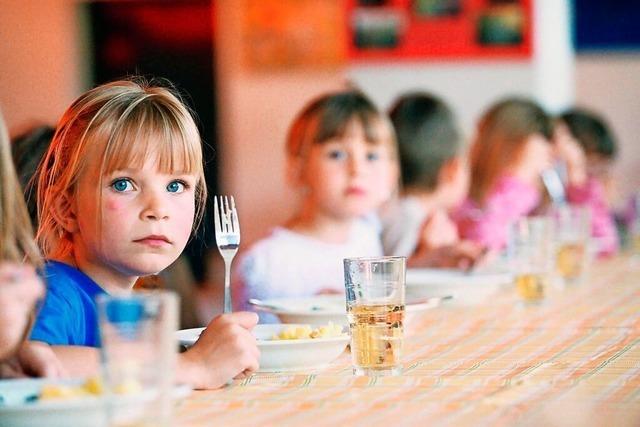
column 572, row 360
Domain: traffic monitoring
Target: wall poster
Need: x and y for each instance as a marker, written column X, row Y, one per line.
column 439, row 29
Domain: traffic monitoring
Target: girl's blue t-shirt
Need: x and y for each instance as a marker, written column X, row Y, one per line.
column 69, row 315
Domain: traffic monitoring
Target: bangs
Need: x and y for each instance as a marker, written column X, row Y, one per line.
column 336, row 126
column 331, row 117
column 150, row 130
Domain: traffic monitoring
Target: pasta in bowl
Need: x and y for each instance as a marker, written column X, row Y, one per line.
column 290, row 347
column 41, row 402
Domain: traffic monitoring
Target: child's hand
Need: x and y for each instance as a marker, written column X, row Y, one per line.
column 463, row 255
column 20, row 287
column 569, row 151
column 438, row 231
column 34, row 359
column 226, row 349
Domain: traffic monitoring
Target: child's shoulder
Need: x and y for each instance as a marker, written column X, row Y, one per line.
column 281, row 243
column 69, row 283
column 60, row 275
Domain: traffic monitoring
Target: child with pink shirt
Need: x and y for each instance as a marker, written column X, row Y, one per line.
column 586, row 146
column 511, row 149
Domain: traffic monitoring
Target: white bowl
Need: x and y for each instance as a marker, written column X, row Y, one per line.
column 322, row 309
column 465, row 288
column 18, row 408
column 285, row 355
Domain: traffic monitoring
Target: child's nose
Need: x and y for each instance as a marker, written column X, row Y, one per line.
column 355, row 165
column 155, row 208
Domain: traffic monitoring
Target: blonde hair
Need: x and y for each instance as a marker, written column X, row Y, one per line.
column 128, row 120
column 16, row 232
column 501, row 137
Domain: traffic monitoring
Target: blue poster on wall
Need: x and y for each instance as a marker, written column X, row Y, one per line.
column 611, row 25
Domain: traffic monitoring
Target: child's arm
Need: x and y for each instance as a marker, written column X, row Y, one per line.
column 20, row 288
column 225, row 350
column 464, row 255
column 33, row 359
column 438, row 230
column 78, row 361
column 591, row 194
column 588, row 191
column 510, row 200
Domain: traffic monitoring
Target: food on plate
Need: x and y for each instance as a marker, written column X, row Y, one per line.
column 93, row 386
column 298, row 332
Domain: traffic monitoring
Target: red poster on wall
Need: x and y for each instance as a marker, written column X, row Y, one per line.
column 439, row 29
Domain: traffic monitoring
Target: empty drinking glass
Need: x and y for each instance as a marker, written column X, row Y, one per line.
column 138, row 356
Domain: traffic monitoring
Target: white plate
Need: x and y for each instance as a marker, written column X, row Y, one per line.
column 323, row 309
column 284, row 355
column 18, row 408
column 465, row 288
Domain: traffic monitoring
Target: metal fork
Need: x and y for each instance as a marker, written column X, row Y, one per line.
column 227, row 239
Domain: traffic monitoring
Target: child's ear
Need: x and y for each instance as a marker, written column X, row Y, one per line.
column 449, row 171
column 295, row 172
column 64, row 212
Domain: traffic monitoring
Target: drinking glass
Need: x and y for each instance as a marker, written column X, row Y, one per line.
column 572, row 231
column 375, row 297
column 138, row 356
column 634, row 229
column 530, row 256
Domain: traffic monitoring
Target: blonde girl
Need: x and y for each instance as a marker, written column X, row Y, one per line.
column 120, row 191
column 20, row 286
column 341, row 159
column 511, row 150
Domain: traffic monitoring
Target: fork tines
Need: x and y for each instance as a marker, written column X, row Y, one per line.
column 225, row 215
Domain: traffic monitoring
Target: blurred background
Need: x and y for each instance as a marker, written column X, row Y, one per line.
column 247, row 66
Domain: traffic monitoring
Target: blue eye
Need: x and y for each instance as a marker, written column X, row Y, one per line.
column 176, row 187
column 337, row 155
column 373, row 155
column 122, row 185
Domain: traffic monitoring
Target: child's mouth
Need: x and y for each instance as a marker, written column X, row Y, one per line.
column 154, row 241
column 356, row 191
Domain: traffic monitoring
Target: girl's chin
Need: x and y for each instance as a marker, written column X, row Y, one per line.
column 352, row 214
column 148, row 268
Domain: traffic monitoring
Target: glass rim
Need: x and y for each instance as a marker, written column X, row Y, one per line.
column 376, row 258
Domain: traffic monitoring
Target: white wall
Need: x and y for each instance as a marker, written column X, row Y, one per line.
column 40, row 61
column 256, row 108
column 467, row 86
column 610, row 84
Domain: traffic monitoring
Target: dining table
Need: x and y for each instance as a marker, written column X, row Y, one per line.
column 571, row 359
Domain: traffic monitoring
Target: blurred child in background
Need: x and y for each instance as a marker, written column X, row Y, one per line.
column 120, row 190
column 512, row 148
column 586, row 146
column 20, row 286
column 435, row 179
column 27, row 150
column 341, row 157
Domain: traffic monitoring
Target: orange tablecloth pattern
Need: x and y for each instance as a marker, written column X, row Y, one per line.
column 572, row 360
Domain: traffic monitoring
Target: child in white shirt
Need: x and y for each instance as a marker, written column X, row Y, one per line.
column 341, row 156
column 435, row 180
